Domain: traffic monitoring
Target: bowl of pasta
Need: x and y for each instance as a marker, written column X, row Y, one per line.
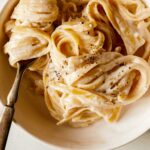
column 89, row 86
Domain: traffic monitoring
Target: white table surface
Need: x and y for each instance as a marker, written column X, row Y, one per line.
column 21, row 140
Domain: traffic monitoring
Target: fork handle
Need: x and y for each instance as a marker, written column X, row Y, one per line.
column 5, row 124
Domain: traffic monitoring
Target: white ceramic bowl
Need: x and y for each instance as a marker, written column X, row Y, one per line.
column 32, row 114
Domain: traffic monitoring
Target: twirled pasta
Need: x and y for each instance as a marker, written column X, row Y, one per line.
column 39, row 14
column 29, row 14
column 95, row 13
column 26, row 43
column 129, row 18
column 86, row 64
column 90, row 87
column 75, row 38
column 80, row 37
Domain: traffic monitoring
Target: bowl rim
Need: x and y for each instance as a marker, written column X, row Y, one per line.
column 64, row 148
column 56, row 147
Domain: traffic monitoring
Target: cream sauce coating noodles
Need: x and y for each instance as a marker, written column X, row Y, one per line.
column 93, row 56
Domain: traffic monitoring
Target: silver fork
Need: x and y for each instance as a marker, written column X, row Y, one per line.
column 7, row 116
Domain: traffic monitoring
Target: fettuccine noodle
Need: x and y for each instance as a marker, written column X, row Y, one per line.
column 39, row 14
column 93, row 56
